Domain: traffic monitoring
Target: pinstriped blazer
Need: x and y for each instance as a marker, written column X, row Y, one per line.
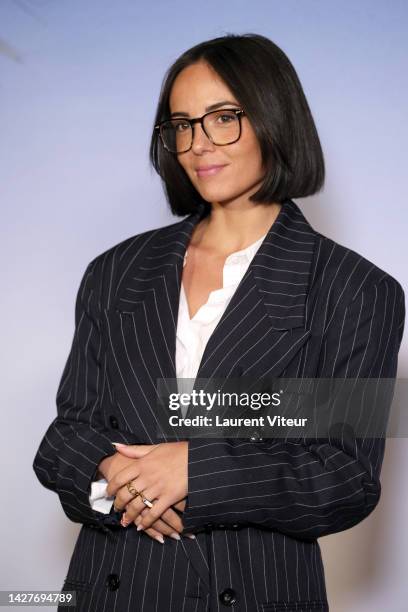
column 306, row 307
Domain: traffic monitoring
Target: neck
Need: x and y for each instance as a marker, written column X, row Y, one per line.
column 228, row 230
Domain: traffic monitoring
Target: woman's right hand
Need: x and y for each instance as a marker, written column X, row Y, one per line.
column 169, row 524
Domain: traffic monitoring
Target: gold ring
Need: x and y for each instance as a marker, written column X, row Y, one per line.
column 135, row 494
column 132, row 490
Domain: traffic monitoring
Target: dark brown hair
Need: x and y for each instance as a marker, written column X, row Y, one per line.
column 267, row 87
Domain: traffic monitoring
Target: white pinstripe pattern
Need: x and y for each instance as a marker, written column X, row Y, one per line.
column 306, row 307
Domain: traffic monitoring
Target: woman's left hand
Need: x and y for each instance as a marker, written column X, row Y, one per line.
column 162, row 476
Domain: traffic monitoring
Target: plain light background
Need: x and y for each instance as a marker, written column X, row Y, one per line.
column 76, row 112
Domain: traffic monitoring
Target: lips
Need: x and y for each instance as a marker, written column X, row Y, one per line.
column 209, row 170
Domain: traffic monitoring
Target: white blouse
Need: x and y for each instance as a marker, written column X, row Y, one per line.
column 192, row 337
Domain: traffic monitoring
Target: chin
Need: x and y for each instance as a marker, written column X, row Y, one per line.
column 216, row 195
column 211, row 198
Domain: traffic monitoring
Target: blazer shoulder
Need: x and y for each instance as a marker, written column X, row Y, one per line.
column 104, row 271
column 130, row 247
column 346, row 271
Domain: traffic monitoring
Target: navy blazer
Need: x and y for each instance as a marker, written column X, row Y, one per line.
column 307, row 307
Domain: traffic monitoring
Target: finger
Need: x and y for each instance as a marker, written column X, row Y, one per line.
column 172, row 519
column 156, row 535
column 173, row 529
column 167, row 527
column 116, row 505
column 161, row 527
column 154, row 513
column 124, row 497
column 180, row 505
column 136, row 505
column 129, row 473
column 133, row 450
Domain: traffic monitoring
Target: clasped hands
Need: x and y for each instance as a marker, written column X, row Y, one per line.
column 160, row 471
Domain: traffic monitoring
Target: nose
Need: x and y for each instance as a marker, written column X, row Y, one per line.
column 200, row 139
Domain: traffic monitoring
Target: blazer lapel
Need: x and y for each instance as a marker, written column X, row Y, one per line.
column 151, row 290
column 264, row 324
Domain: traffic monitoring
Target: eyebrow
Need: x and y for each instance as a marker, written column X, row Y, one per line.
column 208, row 108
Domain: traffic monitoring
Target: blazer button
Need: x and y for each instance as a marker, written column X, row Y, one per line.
column 256, row 436
column 228, row 597
column 113, row 582
column 113, row 421
column 235, row 526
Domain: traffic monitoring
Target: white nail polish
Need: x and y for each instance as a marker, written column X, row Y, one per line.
column 159, row 538
column 191, row 536
column 175, row 536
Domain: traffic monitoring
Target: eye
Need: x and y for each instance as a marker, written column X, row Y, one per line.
column 181, row 126
column 226, row 117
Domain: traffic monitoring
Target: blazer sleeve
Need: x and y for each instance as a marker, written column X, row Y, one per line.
column 314, row 487
column 78, row 439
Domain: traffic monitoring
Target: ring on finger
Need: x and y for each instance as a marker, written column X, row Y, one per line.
column 146, row 501
column 137, row 493
column 132, row 489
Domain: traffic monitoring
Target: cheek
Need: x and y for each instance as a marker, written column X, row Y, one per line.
column 249, row 161
column 255, row 149
column 188, row 166
column 247, row 152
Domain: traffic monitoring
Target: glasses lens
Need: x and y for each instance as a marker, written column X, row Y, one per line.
column 222, row 126
column 176, row 135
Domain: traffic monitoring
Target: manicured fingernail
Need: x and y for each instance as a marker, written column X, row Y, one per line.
column 117, row 444
column 175, row 536
column 124, row 521
column 139, row 527
column 191, row 536
column 159, row 538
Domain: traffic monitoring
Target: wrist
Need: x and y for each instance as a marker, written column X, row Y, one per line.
column 104, row 467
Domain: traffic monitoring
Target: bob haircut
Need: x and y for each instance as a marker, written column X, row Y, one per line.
column 267, row 87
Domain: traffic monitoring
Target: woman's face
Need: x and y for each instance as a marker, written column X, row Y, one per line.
column 195, row 88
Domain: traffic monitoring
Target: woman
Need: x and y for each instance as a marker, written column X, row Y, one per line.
column 242, row 286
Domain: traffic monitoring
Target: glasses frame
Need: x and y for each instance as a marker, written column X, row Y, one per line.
column 238, row 111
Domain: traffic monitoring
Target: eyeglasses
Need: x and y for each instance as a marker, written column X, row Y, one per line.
column 222, row 127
